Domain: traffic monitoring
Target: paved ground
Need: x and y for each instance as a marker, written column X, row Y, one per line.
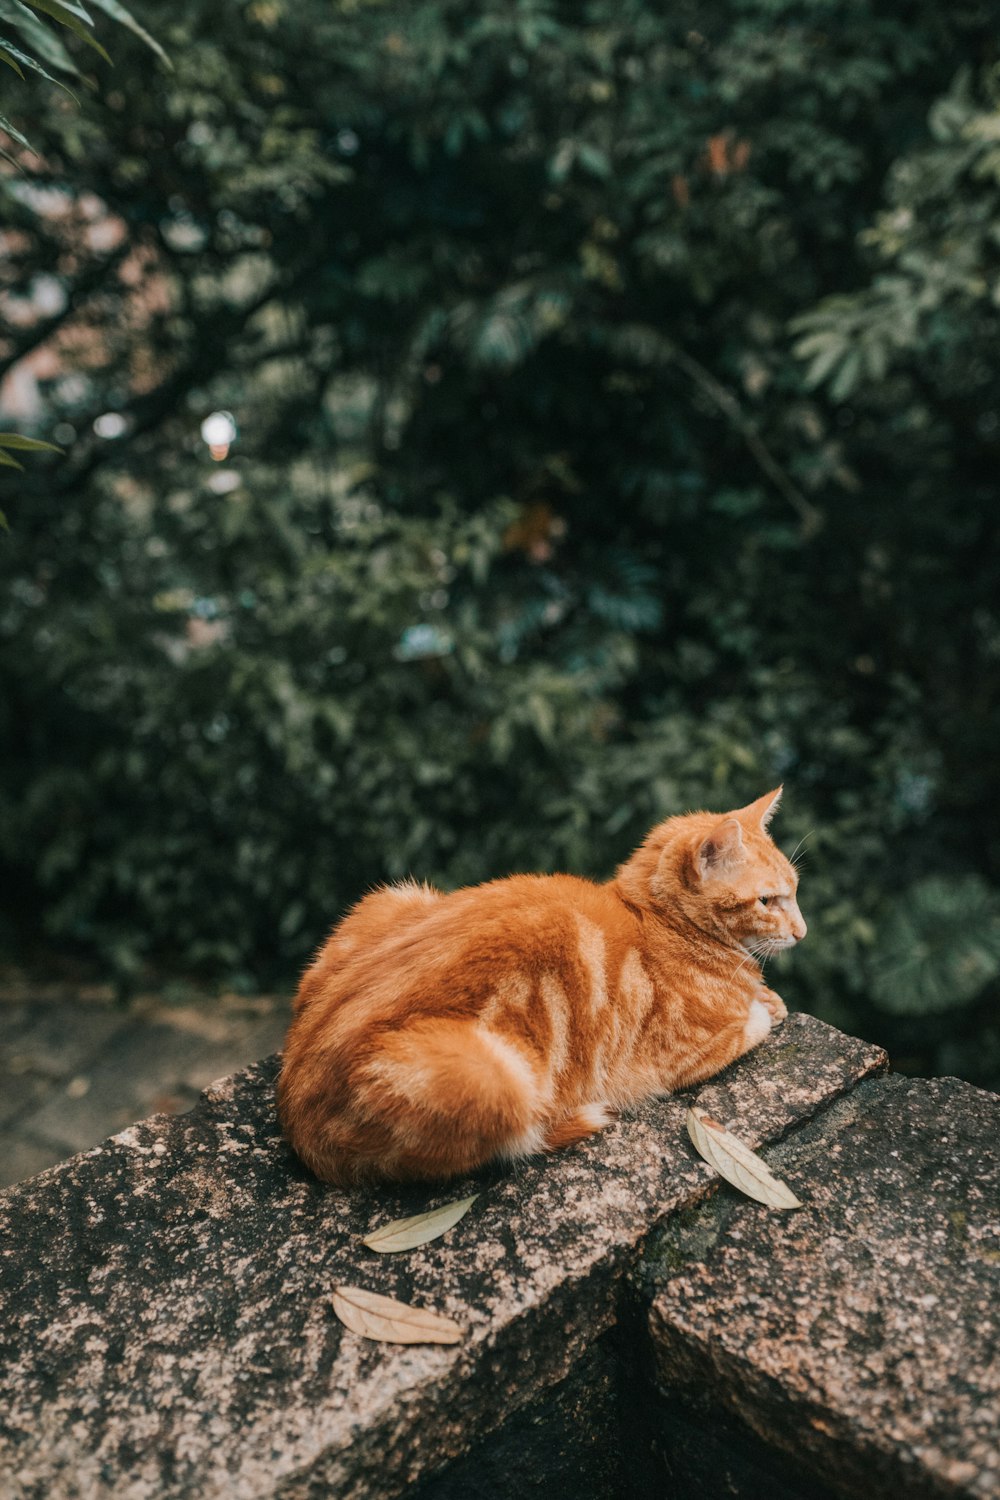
column 76, row 1066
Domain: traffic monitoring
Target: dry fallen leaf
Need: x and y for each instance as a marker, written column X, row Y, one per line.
column 406, row 1234
column 736, row 1162
column 391, row 1322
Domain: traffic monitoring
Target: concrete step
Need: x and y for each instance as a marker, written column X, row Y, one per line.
column 858, row 1338
column 165, row 1298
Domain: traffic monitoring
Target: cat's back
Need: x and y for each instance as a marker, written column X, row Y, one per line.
column 401, row 939
column 513, row 916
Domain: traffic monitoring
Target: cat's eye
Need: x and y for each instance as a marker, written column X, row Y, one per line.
column 764, row 899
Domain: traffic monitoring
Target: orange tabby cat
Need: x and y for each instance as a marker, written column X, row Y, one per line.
column 437, row 1032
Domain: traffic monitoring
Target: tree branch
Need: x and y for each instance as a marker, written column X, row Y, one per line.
column 810, row 515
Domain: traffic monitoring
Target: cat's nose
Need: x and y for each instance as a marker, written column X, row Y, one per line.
column 799, row 928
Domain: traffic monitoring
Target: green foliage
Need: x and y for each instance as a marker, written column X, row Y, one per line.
column 940, row 946
column 13, row 442
column 935, row 296
column 617, row 433
column 27, row 42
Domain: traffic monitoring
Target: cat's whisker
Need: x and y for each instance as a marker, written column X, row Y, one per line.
column 753, row 953
column 791, row 858
column 769, row 948
column 742, row 964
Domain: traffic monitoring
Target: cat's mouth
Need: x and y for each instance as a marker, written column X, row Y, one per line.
column 764, row 947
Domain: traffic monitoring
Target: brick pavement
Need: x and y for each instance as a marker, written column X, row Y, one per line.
column 77, row 1066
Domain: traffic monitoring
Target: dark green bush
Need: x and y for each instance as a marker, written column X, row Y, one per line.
column 617, row 433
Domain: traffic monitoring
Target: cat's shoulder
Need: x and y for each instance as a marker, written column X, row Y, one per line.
column 530, row 900
column 536, row 900
column 539, row 888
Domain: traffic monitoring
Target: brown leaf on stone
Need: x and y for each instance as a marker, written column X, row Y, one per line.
column 406, row 1234
column 392, row 1322
column 734, row 1161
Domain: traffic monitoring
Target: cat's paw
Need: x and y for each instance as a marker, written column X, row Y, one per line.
column 775, row 1005
column 757, row 1026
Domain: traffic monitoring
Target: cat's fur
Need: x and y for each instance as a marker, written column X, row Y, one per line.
column 436, row 1032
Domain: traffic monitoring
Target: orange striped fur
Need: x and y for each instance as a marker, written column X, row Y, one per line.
column 437, row 1032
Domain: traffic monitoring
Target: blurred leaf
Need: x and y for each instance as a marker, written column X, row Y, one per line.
column 73, row 17
column 14, row 133
column 35, row 67
column 117, row 12
column 45, row 43
column 30, row 445
column 939, row 947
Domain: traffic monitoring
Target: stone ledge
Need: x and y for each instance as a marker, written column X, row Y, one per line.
column 165, row 1297
column 859, row 1336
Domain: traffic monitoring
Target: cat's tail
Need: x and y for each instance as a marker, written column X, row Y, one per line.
column 434, row 1099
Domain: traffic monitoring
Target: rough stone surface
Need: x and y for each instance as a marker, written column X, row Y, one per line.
column 858, row 1336
column 165, row 1318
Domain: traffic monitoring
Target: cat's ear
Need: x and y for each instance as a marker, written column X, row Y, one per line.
column 721, row 850
column 758, row 814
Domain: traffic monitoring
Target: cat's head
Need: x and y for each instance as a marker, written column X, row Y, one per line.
column 723, row 872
